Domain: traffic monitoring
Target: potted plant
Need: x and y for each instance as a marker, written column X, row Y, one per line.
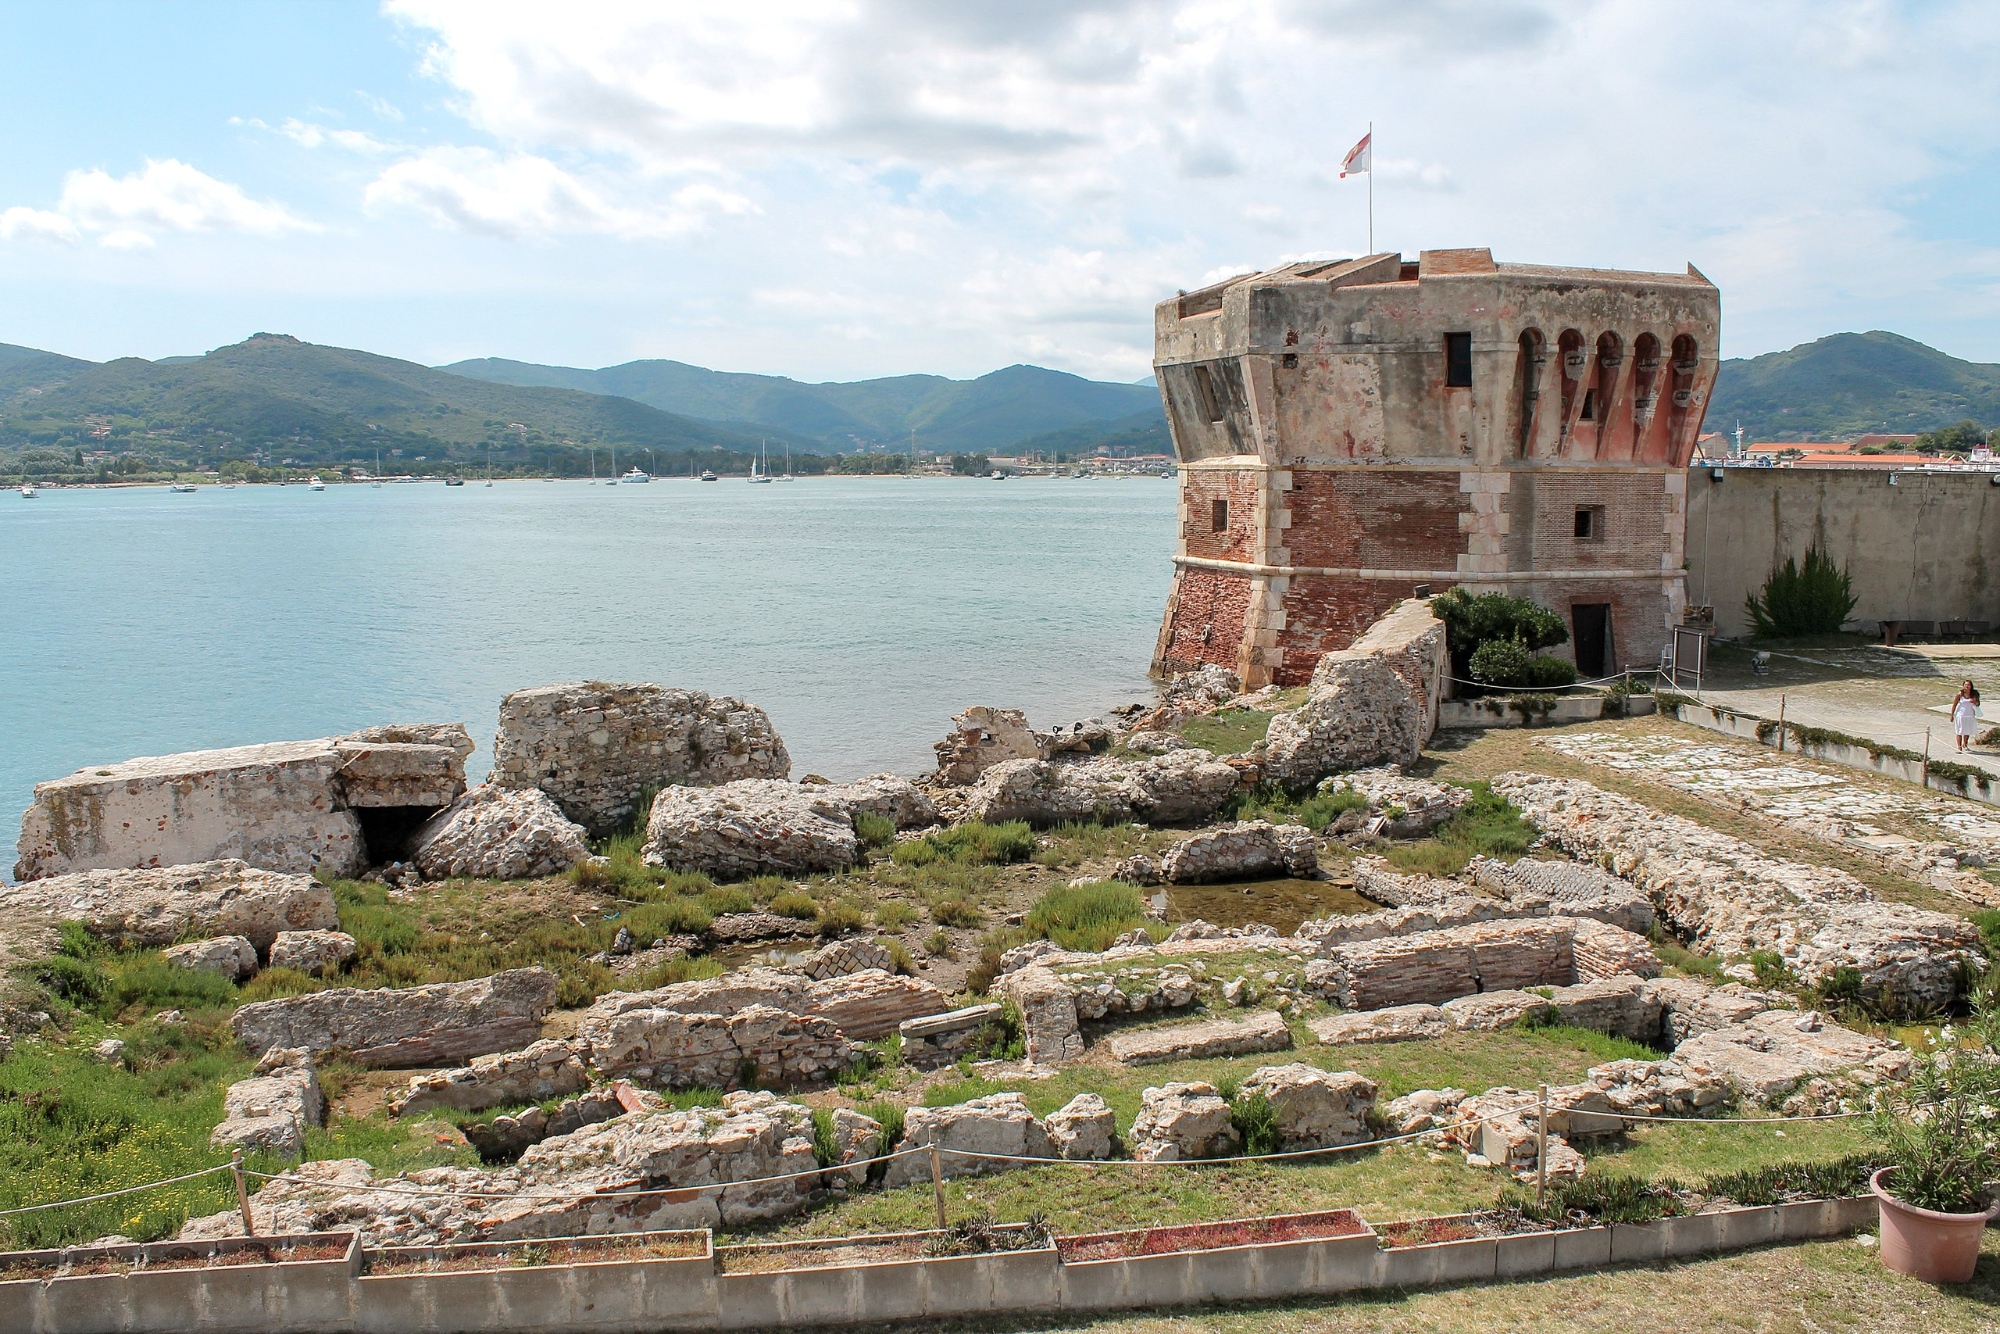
column 1939, row 1146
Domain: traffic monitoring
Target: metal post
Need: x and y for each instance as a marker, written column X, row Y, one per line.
column 242, row 1194
column 1542, row 1152
column 1781, row 724
column 1927, row 757
column 937, row 1183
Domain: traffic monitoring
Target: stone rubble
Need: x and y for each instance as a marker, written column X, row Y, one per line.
column 498, row 833
column 1728, row 898
column 1438, row 966
column 597, row 747
column 1771, row 1053
column 753, row 1043
column 871, row 1003
column 1400, row 807
column 981, row 738
column 505, row 1138
column 941, row 1039
column 439, row 1024
column 1181, row 787
column 1082, row 1129
column 890, row 796
column 752, row 827
column 1374, row 881
column 233, row 957
column 999, row 1124
column 1395, row 1023
column 1263, row 1031
column 1314, row 1109
column 1372, row 703
column 732, row 928
column 153, row 907
column 1182, row 1122
column 1415, row 1113
column 1048, row 1013
column 538, row 1072
column 271, row 1111
column 313, row 953
column 1244, row 850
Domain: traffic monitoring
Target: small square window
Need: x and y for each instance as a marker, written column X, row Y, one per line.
column 1589, row 523
column 1218, row 516
column 1458, row 361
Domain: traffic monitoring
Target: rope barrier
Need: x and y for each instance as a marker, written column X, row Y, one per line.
column 415, row 1189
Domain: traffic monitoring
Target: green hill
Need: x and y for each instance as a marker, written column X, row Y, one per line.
column 273, row 397
column 28, row 368
column 993, row 414
column 1851, row 384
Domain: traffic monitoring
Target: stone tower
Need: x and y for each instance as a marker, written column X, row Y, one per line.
column 1351, row 432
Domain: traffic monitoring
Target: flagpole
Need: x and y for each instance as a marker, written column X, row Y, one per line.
column 1371, row 187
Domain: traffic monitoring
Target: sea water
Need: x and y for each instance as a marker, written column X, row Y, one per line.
column 860, row 613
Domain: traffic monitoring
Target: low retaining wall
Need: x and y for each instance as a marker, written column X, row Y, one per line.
column 1538, row 711
column 335, row 1297
column 1764, row 731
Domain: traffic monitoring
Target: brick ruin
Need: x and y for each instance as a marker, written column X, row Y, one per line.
column 1355, row 432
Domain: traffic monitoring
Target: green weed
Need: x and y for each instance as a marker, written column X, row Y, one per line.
column 874, row 831
column 1088, row 916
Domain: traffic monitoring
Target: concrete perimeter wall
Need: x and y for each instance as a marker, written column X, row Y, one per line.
column 1918, row 551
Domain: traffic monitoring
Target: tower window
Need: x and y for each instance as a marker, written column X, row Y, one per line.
column 1218, row 516
column 1589, row 412
column 1589, row 523
column 1211, row 402
column 1458, row 361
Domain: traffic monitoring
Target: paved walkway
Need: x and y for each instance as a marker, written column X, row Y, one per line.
column 1885, row 695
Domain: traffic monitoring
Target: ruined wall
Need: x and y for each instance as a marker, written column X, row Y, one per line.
column 1925, row 549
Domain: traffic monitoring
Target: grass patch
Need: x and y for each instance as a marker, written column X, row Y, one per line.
column 1603, row 1046
column 1314, row 810
column 1487, row 826
column 1227, row 731
column 874, row 831
column 973, row 843
column 794, row 903
column 955, row 912
column 894, row 914
column 1087, row 917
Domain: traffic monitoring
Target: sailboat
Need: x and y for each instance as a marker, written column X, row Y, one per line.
column 757, row 474
column 787, row 475
column 377, row 479
column 612, row 480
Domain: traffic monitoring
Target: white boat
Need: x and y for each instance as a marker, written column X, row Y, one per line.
column 707, row 476
column 633, row 477
column 183, row 488
column 313, row 482
column 757, row 473
column 28, row 491
column 786, row 476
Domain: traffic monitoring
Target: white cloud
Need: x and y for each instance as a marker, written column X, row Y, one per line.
column 524, row 195
column 127, row 212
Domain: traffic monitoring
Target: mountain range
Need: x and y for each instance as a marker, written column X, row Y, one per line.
column 275, row 397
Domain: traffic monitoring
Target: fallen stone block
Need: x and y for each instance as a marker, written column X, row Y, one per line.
column 1372, row 703
column 1689, row 1008
column 1048, row 1013
column 1772, row 1052
column 1082, row 1129
column 596, row 746
column 1264, row 1031
column 890, row 796
column 1246, row 850
column 1569, row 889
column 1490, row 1011
column 496, row 833
column 1182, row 787
column 233, row 957
column 1374, row 881
column 536, row 1073
column 440, row 1024
column 1314, row 1109
column 1425, row 1109
column 1621, row 1006
column 1398, row 1023
column 737, row 1044
column 270, row 1112
column 312, row 952
column 138, row 909
column 759, row 826
column 940, row 1039
column 375, row 774
column 1182, row 1122
column 735, row 927
column 998, row 1126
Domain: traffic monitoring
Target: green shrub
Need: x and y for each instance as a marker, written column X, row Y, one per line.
column 1613, row 1198
column 159, row 985
column 792, row 903
column 1088, row 916
column 955, row 912
column 1782, row 1183
column 1509, row 663
column 668, row 917
column 894, row 914
column 1257, row 1122
column 874, row 831
column 1315, row 811
column 899, row 955
column 367, row 915
column 1546, row 671
column 275, row 983
column 1470, row 622
column 1488, row 825
column 1773, row 973
column 889, row 1116
column 74, row 940
column 1809, row 599
column 698, row 968
column 826, row 1149
column 938, row 943
column 1005, row 1037
column 973, row 843
column 731, row 898
column 80, row 982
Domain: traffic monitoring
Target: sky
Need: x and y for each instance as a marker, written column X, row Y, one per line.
column 841, row 189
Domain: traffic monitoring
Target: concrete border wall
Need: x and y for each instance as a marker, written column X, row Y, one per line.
column 334, row 1297
column 1918, row 550
column 1495, row 711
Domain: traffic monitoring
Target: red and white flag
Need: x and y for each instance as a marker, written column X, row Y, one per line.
column 1356, row 160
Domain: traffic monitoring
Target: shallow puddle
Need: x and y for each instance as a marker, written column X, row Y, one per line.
column 1279, row 903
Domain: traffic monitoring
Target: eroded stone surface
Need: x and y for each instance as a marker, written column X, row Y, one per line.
column 1769, row 1053
column 1314, row 1109
column 313, row 953
column 871, row 1003
column 999, row 1125
column 981, row 738
column 675, row 1048
column 1181, row 1122
column 1084, row 1128
column 758, row 826
column 596, row 746
column 536, row 1073
column 233, row 957
column 497, row 833
column 1181, row 787
column 1571, row 889
column 1372, row 703
column 440, row 1024
column 1244, row 850
column 157, row 906
column 1434, row 967
column 1048, row 1013
column 1397, row 1023
column 1263, row 1031
column 270, row 1111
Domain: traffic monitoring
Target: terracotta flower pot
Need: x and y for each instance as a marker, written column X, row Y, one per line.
column 1925, row 1244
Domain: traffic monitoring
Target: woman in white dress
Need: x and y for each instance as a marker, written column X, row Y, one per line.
column 1965, row 715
